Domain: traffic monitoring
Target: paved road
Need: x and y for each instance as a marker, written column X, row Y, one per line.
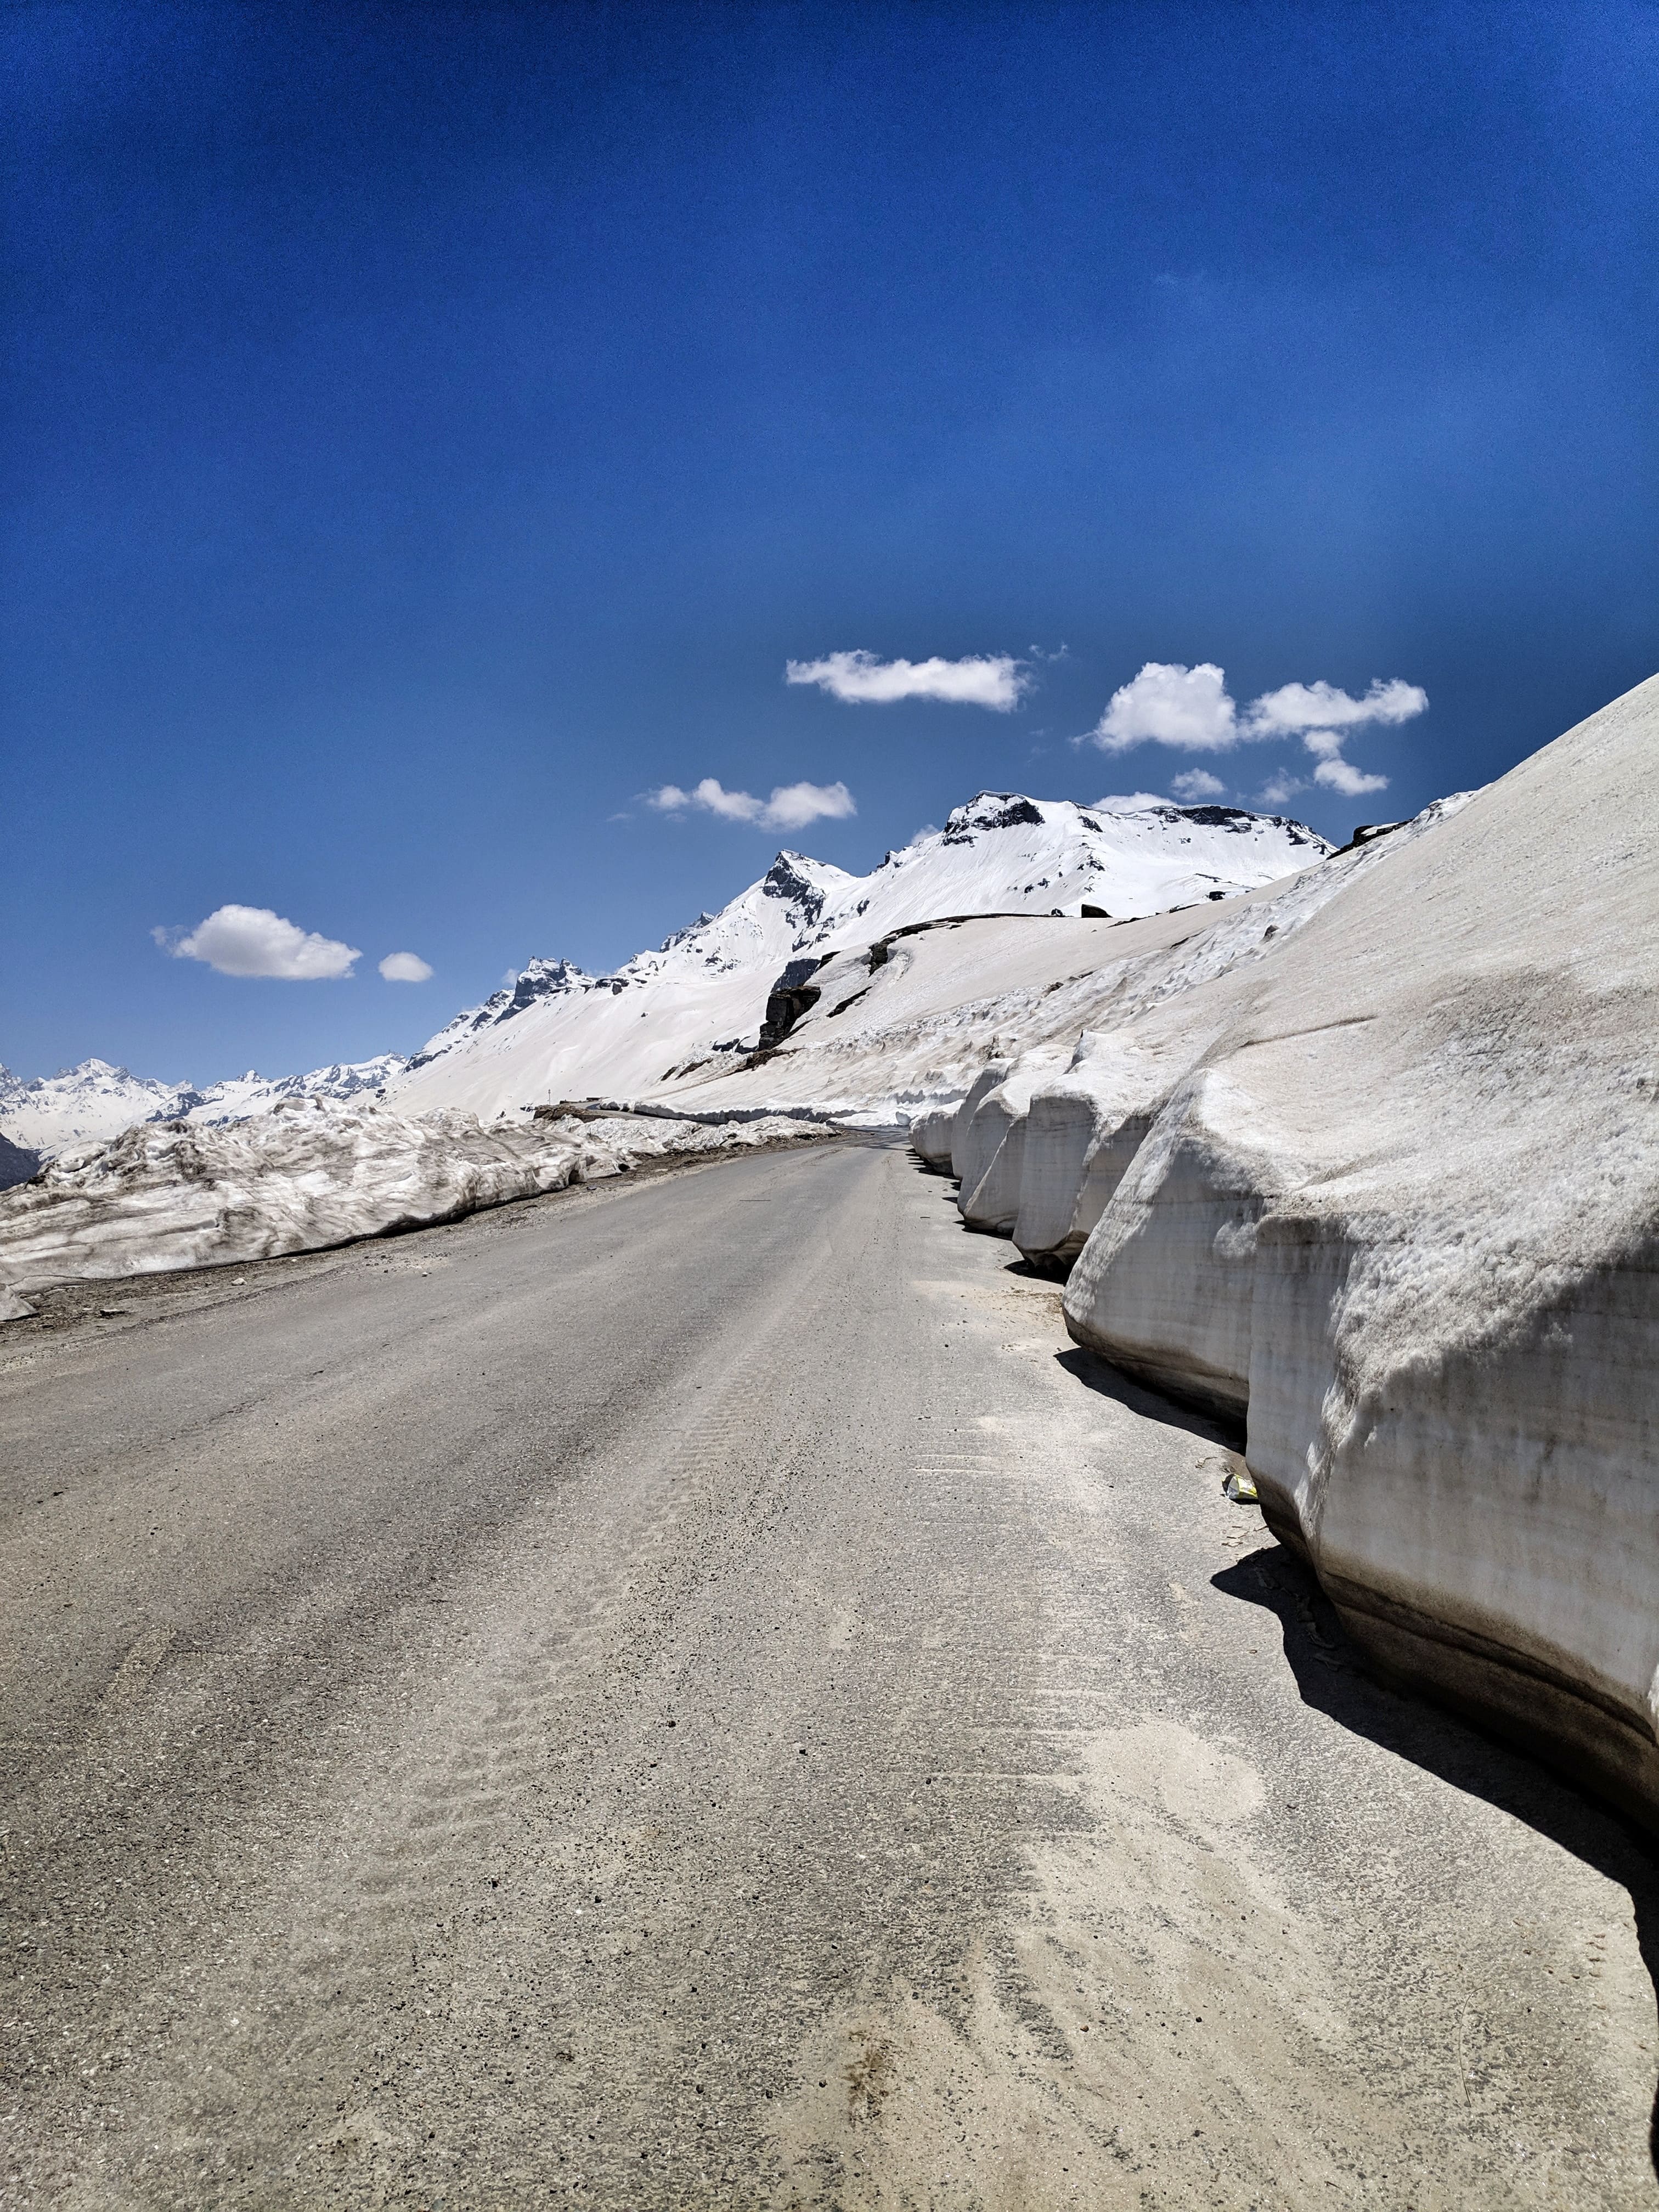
column 695, row 1695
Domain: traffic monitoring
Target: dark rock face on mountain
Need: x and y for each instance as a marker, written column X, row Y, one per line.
column 991, row 810
column 790, row 997
column 787, row 879
column 17, row 1164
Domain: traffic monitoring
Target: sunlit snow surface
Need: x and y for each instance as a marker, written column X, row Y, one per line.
column 693, row 1009
column 310, row 1173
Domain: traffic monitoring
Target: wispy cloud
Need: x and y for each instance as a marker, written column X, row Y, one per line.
column 1298, row 707
column 994, row 680
column 791, row 807
column 1190, row 708
column 1281, row 786
column 405, row 968
column 1196, row 783
column 252, row 940
column 1338, row 775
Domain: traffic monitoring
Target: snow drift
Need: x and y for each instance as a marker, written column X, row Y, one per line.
column 1384, row 1182
column 309, row 1174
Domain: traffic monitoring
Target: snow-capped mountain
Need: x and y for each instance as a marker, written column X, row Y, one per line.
column 94, row 1101
column 559, row 1033
column 240, row 1096
column 82, row 1105
column 699, row 999
column 1004, row 854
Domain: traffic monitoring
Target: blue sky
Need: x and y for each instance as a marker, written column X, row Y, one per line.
column 430, row 430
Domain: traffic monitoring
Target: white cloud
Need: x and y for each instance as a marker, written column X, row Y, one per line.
column 1338, row 774
column 252, row 940
column 1196, row 783
column 791, row 807
column 1128, row 802
column 1281, row 786
column 994, row 680
column 1172, row 705
column 1297, row 706
column 405, row 968
column 1333, row 771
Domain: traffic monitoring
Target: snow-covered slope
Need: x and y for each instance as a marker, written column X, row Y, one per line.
column 692, row 1010
column 907, row 1025
column 561, row 1034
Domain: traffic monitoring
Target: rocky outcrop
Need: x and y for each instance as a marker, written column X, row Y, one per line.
column 789, row 998
column 17, row 1163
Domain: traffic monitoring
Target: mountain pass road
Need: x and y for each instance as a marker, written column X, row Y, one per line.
column 692, row 1692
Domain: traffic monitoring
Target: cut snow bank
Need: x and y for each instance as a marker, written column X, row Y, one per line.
column 304, row 1176
column 1384, row 1181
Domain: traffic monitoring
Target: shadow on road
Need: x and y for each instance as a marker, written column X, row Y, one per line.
column 1096, row 1374
column 1330, row 1674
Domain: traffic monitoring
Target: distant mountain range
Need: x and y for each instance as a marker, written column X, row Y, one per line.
column 700, row 998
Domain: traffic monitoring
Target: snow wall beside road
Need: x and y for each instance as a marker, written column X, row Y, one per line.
column 309, row 1174
column 1388, row 1190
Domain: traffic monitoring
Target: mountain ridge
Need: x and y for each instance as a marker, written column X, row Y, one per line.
column 708, row 984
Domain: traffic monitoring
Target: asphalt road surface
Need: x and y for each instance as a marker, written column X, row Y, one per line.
column 694, row 1694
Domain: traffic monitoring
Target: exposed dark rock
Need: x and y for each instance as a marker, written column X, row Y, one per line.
column 17, row 1163
column 1367, row 832
column 785, row 880
column 989, row 810
column 790, row 997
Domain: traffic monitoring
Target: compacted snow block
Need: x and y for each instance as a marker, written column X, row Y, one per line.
column 174, row 1195
column 930, row 1134
column 1083, row 1130
column 1166, row 1280
column 995, row 1145
column 1404, row 1215
column 969, row 1154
